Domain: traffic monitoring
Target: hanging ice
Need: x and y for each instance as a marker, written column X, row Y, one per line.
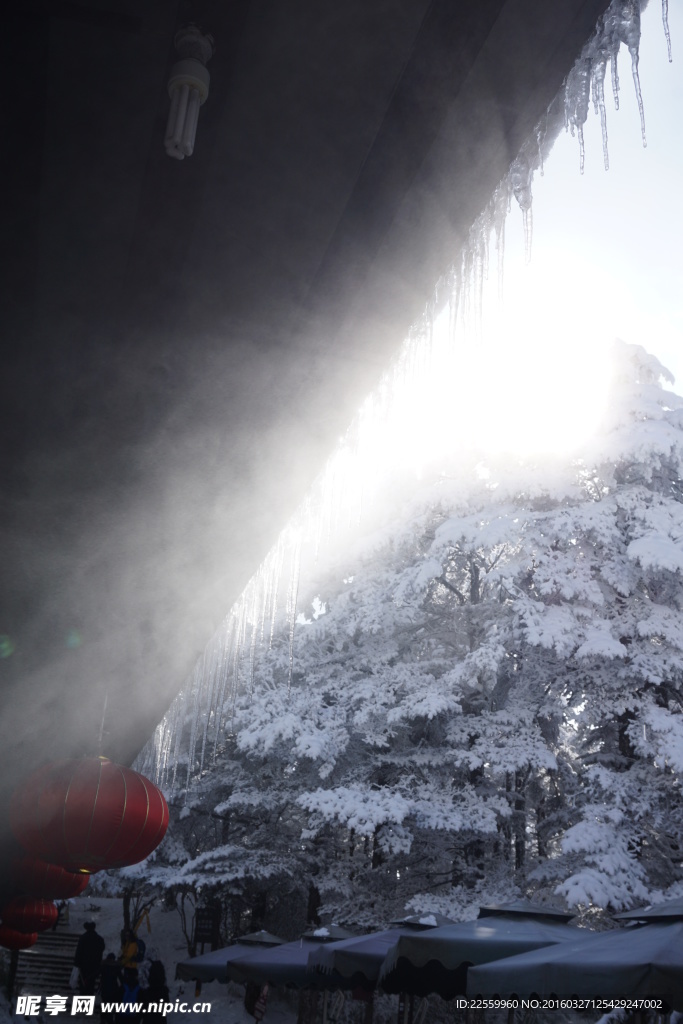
column 665, row 22
column 577, row 99
column 628, row 30
column 520, row 181
column 619, row 24
column 204, row 714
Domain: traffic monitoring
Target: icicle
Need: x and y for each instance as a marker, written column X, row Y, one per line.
column 455, row 303
column 179, row 730
column 240, row 634
column 665, row 22
column 486, row 230
column 265, row 597
column 168, row 760
column 205, row 702
column 598, row 90
column 254, row 636
column 228, row 633
column 606, row 44
column 196, row 712
column 500, row 247
column 520, row 181
column 499, row 203
column 276, row 570
column 639, row 96
column 615, row 74
column 292, row 597
column 628, row 30
column 528, row 222
column 576, row 100
column 540, row 139
column 209, row 701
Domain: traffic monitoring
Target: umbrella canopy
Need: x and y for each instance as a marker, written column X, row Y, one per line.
column 211, row 966
column 628, row 963
column 286, row 964
column 356, row 962
column 437, row 961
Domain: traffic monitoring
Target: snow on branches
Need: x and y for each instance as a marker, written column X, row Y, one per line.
column 490, row 687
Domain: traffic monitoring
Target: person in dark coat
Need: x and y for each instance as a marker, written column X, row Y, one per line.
column 88, row 958
column 156, row 992
column 110, row 986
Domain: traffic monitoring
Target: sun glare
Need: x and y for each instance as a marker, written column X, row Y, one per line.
column 528, row 376
column 543, row 360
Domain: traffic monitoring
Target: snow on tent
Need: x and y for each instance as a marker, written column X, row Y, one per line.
column 285, row 965
column 637, row 962
column 356, row 963
column 525, row 908
column 211, row 966
column 438, row 961
column 671, row 910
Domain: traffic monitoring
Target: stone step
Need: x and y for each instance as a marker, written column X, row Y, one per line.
column 45, row 969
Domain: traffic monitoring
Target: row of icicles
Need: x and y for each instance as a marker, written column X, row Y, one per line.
column 73, row 818
column 349, row 482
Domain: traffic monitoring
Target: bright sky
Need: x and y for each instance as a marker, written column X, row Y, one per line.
column 607, row 244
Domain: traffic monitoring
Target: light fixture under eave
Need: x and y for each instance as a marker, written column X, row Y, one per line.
column 188, row 88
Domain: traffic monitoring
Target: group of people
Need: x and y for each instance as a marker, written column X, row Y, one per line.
column 118, row 979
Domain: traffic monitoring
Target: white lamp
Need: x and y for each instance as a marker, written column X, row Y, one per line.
column 188, row 88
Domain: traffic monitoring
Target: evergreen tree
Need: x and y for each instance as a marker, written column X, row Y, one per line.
column 491, row 704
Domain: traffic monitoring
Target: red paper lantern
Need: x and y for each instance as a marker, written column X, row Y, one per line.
column 11, row 939
column 27, row 915
column 34, row 877
column 88, row 815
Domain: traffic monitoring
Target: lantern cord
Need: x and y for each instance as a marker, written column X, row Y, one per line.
column 104, row 712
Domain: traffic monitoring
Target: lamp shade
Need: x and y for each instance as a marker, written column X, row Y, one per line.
column 12, row 939
column 29, row 915
column 33, row 877
column 88, row 814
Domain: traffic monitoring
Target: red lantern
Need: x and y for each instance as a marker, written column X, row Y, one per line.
column 11, row 939
column 88, row 815
column 34, row 877
column 26, row 915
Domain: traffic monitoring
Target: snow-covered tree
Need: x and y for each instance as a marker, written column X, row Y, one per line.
column 487, row 699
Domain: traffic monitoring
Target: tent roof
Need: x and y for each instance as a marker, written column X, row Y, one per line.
column 327, row 933
column 671, row 910
column 282, row 965
column 357, row 960
column 211, row 966
column 422, row 921
column 527, row 909
column 629, row 962
column 437, row 961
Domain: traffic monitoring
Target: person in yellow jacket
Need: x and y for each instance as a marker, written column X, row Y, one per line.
column 129, row 951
